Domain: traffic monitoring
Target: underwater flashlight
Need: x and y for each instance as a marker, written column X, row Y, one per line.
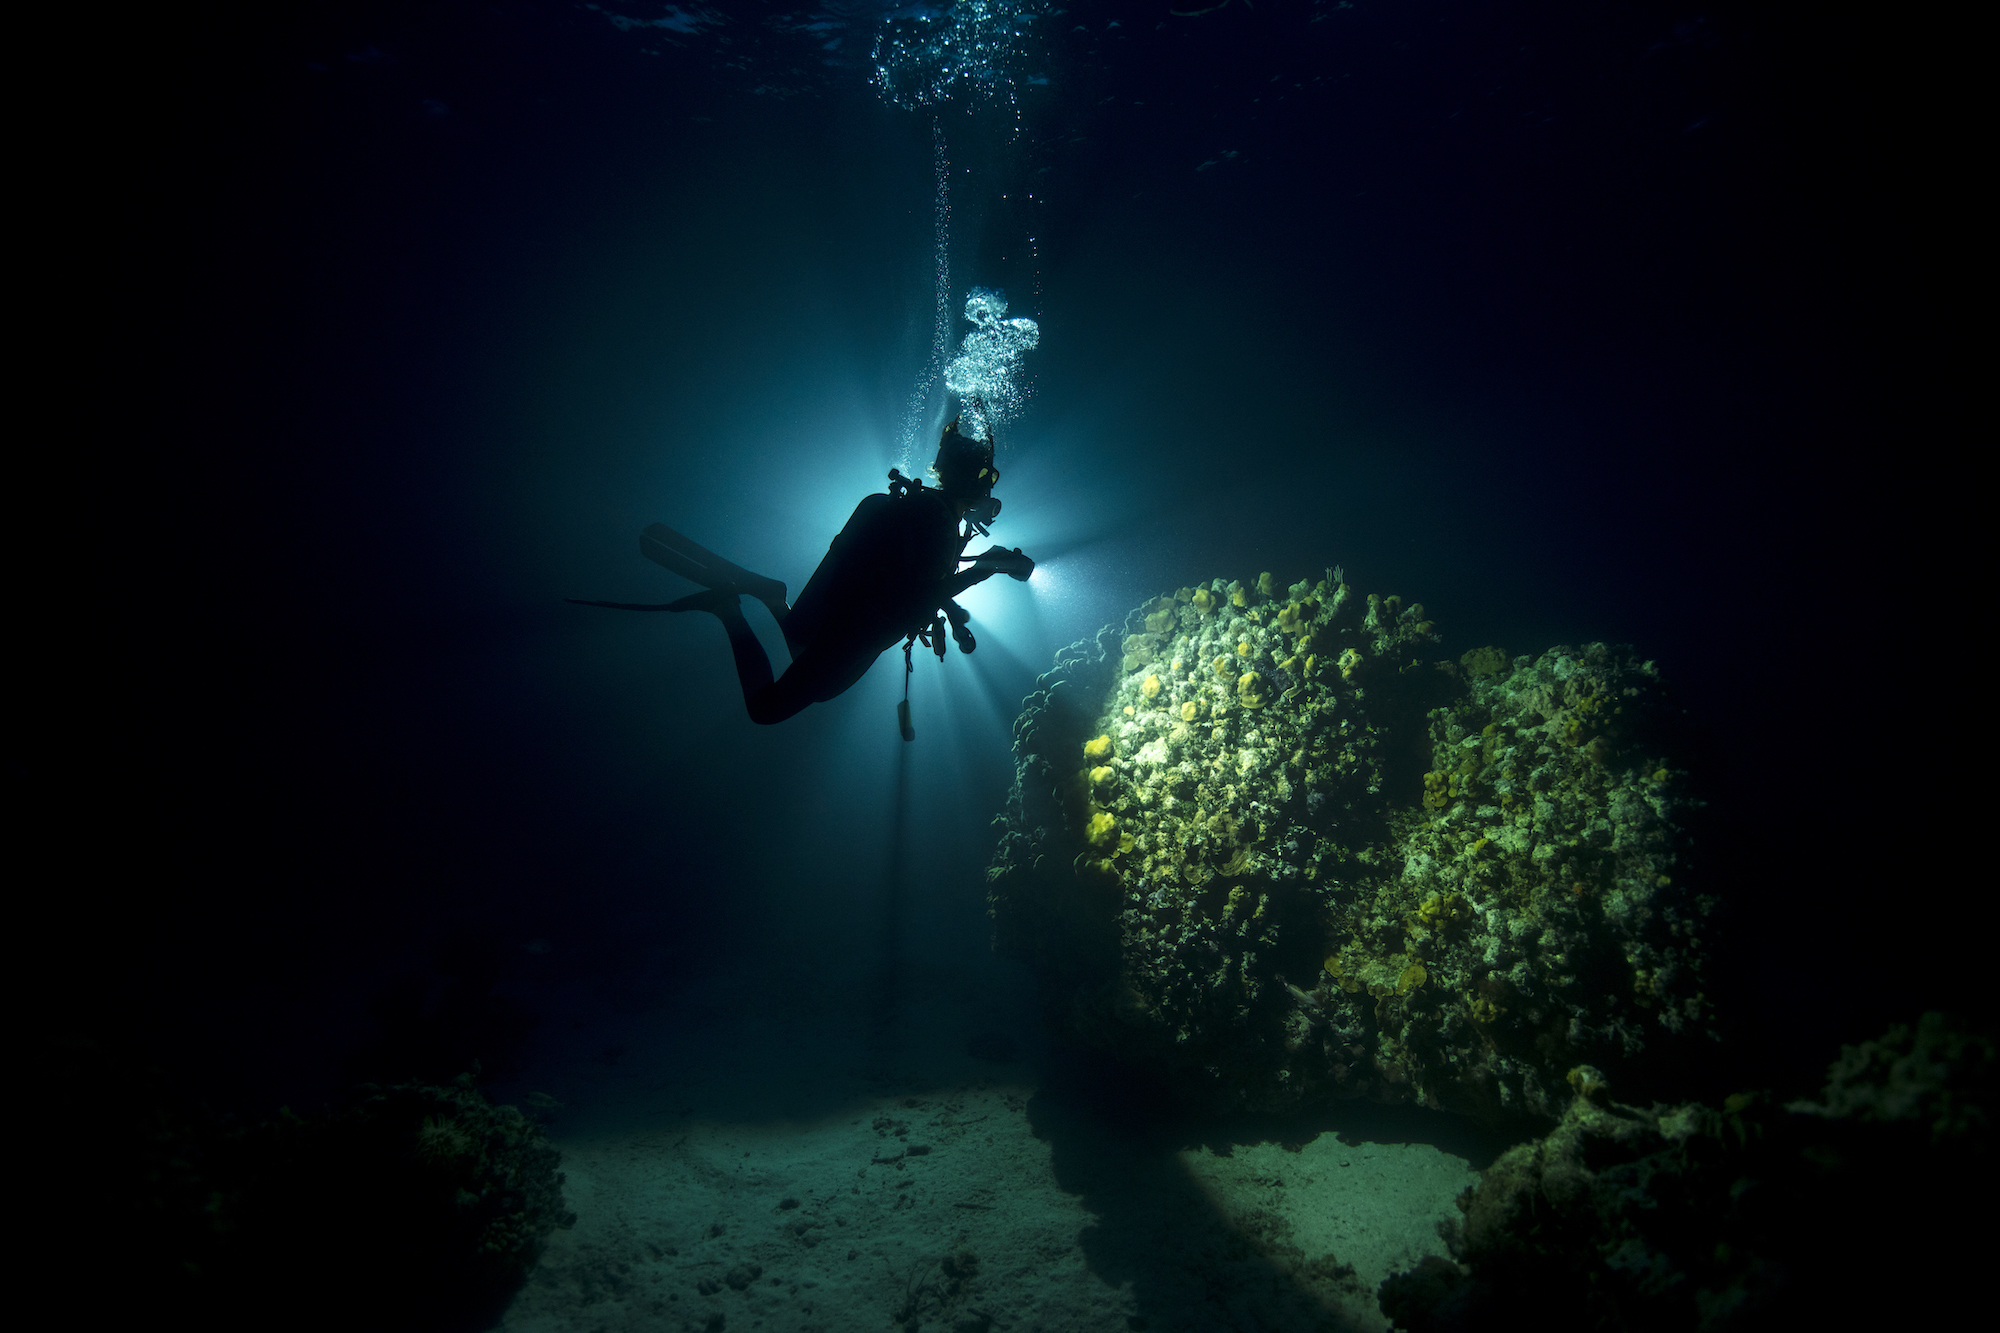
column 1015, row 564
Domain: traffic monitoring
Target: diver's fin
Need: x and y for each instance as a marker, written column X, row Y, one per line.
column 691, row 560
column 620, row 606
column 707, row 600
column 663, row 546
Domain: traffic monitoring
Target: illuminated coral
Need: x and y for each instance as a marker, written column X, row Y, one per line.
column 1475, row 873
column 1250, row 690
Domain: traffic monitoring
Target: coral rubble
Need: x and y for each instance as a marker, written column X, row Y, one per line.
column 1255, row 838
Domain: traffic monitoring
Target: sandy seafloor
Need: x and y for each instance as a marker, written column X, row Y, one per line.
column 780, row 1173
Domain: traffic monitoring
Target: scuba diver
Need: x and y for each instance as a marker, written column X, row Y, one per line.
column 891, row 574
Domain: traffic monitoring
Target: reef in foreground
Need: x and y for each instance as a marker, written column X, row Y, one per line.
column 1853, row 1211
column 1255, row 839
column 418, row 1206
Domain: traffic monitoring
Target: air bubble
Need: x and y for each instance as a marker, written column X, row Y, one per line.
column 986, row 372
column 924, row 56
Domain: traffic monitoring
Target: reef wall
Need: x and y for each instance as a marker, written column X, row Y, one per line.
column 1256, row 839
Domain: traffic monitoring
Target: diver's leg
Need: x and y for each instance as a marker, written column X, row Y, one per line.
column 820, row 675
column 823, row 673
column 832, row 673
column 765, row 701
column 753, row 668
column 691, row 560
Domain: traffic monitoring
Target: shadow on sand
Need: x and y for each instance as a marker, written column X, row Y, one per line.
column 1117, row 1135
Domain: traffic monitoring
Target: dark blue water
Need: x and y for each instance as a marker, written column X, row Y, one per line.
column 1570, row 321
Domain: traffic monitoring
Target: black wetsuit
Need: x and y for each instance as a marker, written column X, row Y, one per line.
column 887, row 573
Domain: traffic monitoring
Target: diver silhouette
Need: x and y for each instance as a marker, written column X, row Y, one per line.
column 891, row 574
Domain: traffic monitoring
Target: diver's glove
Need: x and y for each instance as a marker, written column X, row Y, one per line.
column 999, row 560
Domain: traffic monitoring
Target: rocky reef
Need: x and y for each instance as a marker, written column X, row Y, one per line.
column 1257, row 839
column 1854, row 1210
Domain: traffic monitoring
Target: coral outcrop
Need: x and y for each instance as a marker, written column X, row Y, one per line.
column 1257, row 838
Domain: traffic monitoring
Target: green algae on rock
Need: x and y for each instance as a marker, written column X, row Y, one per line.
column 1256, row 839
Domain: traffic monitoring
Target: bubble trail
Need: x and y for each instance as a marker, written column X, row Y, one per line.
column 986, row 372
column 920, row 396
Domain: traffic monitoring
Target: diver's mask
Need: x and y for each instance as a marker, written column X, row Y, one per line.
column 980, row 513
